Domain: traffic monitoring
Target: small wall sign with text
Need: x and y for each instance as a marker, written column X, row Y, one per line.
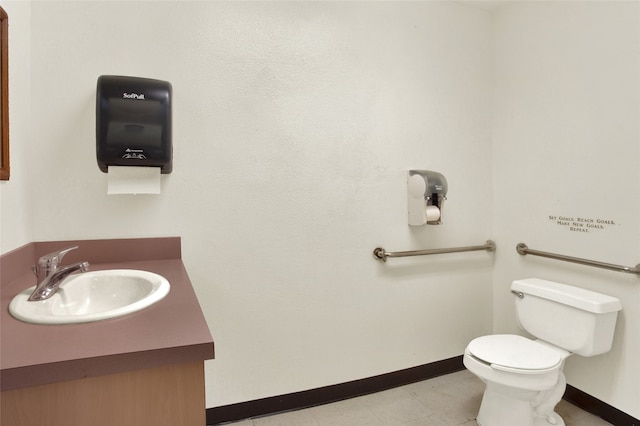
column 582, row 224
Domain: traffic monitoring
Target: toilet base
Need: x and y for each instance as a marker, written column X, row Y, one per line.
column 537, row 421
column 542, row 421
column 507, row 406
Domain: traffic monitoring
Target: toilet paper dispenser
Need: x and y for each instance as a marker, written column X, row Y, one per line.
column 426, row 193
column 133, row 123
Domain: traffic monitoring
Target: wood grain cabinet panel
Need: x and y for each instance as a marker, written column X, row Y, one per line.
column 170, row 395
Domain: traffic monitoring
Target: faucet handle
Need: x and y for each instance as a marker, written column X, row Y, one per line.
column 54, row 259
column 48, row 263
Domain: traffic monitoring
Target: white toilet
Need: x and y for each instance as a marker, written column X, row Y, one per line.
column 524, row 377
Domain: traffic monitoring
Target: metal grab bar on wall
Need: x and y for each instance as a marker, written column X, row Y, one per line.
column 380, row 254
column 523, row 250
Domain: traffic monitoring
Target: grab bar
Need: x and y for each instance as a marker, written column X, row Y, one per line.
column 380, row 254
column 523, row 250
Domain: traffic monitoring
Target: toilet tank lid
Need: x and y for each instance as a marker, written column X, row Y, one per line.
column 577, row 297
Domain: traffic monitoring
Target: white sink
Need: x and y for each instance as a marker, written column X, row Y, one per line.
column 93, row 296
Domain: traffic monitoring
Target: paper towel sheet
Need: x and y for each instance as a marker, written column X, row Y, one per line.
column 133, row 180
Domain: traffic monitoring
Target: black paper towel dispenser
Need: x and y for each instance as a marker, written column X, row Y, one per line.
column 133, row 123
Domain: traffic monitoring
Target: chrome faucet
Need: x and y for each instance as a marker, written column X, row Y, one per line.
column 50, row 275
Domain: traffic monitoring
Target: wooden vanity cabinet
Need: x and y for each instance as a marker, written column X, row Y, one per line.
column 171, row 395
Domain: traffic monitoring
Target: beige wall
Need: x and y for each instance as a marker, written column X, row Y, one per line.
column 294, row 127
column 16, row 217
column 566, row 142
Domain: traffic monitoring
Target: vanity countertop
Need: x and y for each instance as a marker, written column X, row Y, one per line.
column 169, row 332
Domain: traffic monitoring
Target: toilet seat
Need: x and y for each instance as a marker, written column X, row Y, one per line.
column 515, row 354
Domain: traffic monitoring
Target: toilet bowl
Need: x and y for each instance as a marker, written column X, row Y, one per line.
column 524, row 378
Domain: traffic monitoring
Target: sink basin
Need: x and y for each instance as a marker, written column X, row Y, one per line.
column 93, row 296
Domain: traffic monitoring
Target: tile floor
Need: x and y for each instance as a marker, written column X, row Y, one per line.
column 452, row 399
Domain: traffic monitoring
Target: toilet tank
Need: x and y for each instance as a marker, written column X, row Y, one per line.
column 578, row 320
